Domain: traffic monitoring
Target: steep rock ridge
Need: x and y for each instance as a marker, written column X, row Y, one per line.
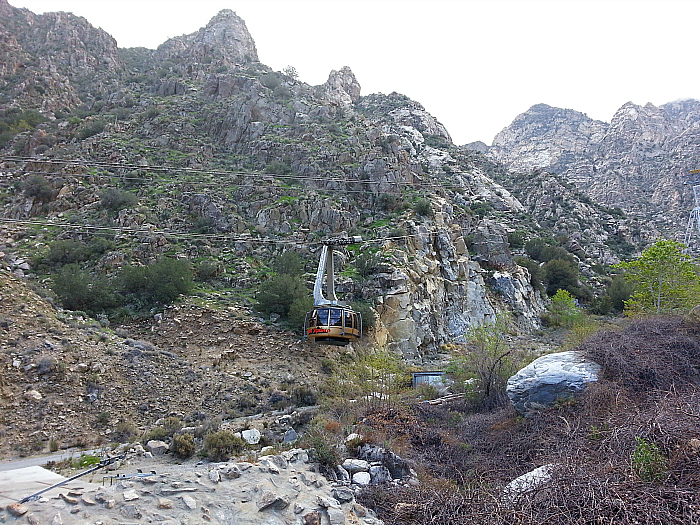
column 636, row 162
column 342, row 87
column 225, row 41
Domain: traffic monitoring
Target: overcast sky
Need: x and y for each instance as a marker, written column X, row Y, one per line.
column 474, row 64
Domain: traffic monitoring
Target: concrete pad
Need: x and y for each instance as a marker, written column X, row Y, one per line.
column 19, row 483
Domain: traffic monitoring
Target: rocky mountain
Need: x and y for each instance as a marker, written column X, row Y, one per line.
column 235, row 163
column 637, row 162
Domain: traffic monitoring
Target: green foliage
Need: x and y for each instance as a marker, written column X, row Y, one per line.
column 276, row 295
column 481, row 208
column 156, row 284
column 221, row 445
column 39, row 187
column 183, row 445
column 14, row 121
column 291, row 72
column 516, row 239
column 664, row 278
column 208, row 270
column 297, row 311
column 78, row 290
column 561, row 275
column 489, row 362
column 114, row 199
column 289, row 263
column 270, row 80
column 365, row 310
column 648, row 462
column 368, row 263
column 322, row 451
column 91, row 129
column 278, row 167
column 563, row 311
column 71, row 251
column 423, row 207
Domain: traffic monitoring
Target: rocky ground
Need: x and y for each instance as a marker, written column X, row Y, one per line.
column 68, row 381
column 273, row 489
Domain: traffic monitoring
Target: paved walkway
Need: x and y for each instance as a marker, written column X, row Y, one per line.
column 20, row 483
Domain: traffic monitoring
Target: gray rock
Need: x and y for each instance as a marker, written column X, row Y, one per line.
column 361, row 478
column 343, row 495
column 551, row 378
column 251, row 436
column 355, row 465
column 379, row 474
column 157, row 447
column 336, row 516
column 527, row 482
column 130, row 511
column 271, row 500
column 290, row 436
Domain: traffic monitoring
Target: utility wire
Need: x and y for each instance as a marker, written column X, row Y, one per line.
column 196, row 236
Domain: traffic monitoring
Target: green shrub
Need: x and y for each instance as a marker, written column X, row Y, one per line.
column 39, row 187
column 322, row 451
column 288, row 263
column 157, row 284
column 78, row 290
column 157, row 433
column 365, row 310
column 221, row 445
column 114, row 199
column 279, row 292
column 423, row 207
column 563, row 310
column 207, row 270
column 124, row 431
column 368, row 263
column 278, row 167
column 648, row 462
column 534, row 269
column 183, row 445
column 270, row 80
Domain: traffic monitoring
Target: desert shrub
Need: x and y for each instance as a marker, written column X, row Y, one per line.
column 221, row 445
column 183, row 445
column 648, row 462
column 157, row 433
column 278, row 167
column 534, row 269
column 78, row 290
column 38, row 187
column 156, row 284
column 270, row 80
column 91, row 129
column 297, row 311
column 368, row 263
column 278, row 293
column 288, row 263
column 114, row 199
column 423, row 207
column 367, row 313
column 322, row 451
column 207, row 270
column 561, row 275
column 562, row 311
column 488, row 360
column 124, row 431
column 303, row 396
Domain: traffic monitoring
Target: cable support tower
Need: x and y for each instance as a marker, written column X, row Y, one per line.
column 694, row 219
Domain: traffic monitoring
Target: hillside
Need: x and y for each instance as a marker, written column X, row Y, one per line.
column 638, row 162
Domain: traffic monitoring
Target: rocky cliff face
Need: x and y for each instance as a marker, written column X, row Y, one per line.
column 254, row 154
column 636, row 162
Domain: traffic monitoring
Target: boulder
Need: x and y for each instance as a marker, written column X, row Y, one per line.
column 157, row 447
column 527, row 482
column 549, row 379
column 251, row 436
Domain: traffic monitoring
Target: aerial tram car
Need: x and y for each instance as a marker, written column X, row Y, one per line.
column 331, row 322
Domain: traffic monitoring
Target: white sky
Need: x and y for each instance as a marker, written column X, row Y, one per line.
column 474, row 64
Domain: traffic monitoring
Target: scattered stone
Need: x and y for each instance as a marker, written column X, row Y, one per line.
column 355, row 465
column 290, row 436
column 33, row 395
column 110, row 503
column 214, row 476
column 312, row 518
column 231, row 472
column 157, row 447
column 16, row 509
column 343, row 475
column 361, row 478
column 87, row 500
column 69, row 499
column 267, row 451
column 527, row 482
column 131, row 512
column 336, row 516
column 272, row 500
column 251, row 436
column 189, row 502
column 550, row 378
column 165, row 503
column 326, row 502
column 130, row 495
column 379, row 474
column 57, row 520
column 343, row 495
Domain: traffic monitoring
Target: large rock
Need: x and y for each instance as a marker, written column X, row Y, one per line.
column 551, row 378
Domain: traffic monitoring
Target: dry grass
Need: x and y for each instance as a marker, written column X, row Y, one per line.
column 649, row 391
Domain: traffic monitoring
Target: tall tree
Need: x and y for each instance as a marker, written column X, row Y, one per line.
column 665, row 279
